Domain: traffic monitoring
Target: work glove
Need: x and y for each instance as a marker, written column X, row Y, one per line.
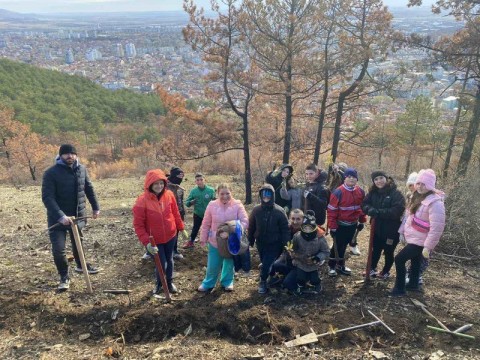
column 360, row 227
column 152, row 249
column 306, row 193
column 426, row 253
column 402, row 239
column 65, row 220
column 372, row 212
column 184, row 234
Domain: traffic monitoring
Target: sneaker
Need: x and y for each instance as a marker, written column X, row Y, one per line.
column 177, row 256
column 299, row 290
column 354, row 250
column 172, row 289
column 158, row 289
column 188, row 245
column 332, row 272
column 203, row 289
column 420, row 280
column 147, row 256
column 91, row 269
column 397, row 292
column 344, row 270
column 228, row 288
column 384, row 276
column 262, row 287
column 373, row 273
column 64, row 283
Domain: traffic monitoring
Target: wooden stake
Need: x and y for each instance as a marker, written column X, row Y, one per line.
column 81, row 255
column 451, row 332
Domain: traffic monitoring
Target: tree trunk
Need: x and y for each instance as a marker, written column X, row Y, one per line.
column 471, row 136
column 338, row 123
column 288, row 118
column 246, row 160
column 321, row 121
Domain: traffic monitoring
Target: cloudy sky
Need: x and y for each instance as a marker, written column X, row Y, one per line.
column 49, row 6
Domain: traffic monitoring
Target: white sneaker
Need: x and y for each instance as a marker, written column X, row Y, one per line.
column 177, row 256
column 332, row 272
column 64, row 284
column 354, row 250
column 147, row 256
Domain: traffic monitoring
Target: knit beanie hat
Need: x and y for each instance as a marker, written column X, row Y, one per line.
column 378, row 173
column 67, row 149
column 173, row 177
column 427, row 177
column 412, row 178
column 351, row 172
column 309, row 226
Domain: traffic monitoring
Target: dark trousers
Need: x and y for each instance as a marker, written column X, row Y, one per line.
column 388, row 247
column 305, row 276
column 58, row 239
column 175, row 245
column 343, row 236
column 268, row 254
column 165, row 251
column 197, row 223
column 242, row 262
column 414, row 254
column 282, row 267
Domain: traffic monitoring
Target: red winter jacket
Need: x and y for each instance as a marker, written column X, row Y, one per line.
column 345, row 206
column 157, row 217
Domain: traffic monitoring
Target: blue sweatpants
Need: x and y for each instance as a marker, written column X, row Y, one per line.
column 215, row 265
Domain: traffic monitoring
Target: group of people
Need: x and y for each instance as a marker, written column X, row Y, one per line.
column 287, row 226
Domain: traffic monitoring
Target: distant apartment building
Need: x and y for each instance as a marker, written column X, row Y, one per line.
column 69, row 58
column 93, row 55
column 119, row 51
column 130, row 50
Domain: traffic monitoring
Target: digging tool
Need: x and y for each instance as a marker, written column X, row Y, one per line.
column 335, row 250
column 370, row 250
column 74, row 219
column 463, row 328
column 117, row 291
column 451, row 332
column 161, row 273
column 81, row 255
column 424, row 309
column 313, row 337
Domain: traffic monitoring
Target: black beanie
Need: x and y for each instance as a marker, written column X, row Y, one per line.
column 309, row 226
column 173, row 177
column 67, row 149
column 378, row 173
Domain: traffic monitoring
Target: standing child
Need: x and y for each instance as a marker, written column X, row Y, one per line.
column 309, row 252
column 422, row 230
column 268, row 226
column 316, row 194
column 276, row 178
column 155, row 214
column 344, row 214
column 199, row 197
column 386, row 204
column 174, row 180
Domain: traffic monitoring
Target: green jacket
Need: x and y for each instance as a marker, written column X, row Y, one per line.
column 202, row 197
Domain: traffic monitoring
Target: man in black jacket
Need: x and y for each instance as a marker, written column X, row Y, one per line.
column 268, row 225
column 64, row 189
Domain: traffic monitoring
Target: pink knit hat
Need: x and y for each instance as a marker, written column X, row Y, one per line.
column 427, row 177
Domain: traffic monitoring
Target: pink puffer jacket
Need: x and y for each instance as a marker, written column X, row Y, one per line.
column 218, row 213
column 431, row 213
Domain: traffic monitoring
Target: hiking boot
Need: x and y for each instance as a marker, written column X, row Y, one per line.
column 228, row 288
column 91, row 269
column 344, row 270
column 332, row 272
column 384, row 276
column 354, row 250
column 203, row 289
column 262, row 287
column 172, row 289
column 413, row 288
column 64, row 283
column 397, row 292
column 188, row 245
column 177, row 256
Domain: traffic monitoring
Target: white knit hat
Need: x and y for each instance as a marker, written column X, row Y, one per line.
column 412, row 178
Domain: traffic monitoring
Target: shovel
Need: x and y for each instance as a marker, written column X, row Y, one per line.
column 161, row 273
column 81, row 255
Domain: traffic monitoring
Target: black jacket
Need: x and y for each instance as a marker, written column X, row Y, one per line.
column 268, row 224
column 64, row 190
column 317, row 199
column 390, row 204
column 275, row 179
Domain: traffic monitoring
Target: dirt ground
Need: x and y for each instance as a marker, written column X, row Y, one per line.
column 36, row 322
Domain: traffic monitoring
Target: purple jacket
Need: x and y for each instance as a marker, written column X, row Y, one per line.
column 432, row 214
column 216, row 214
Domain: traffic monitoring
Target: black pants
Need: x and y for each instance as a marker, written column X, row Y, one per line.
column 343, row 236
column 268, row 254
column 414, row 254
column 58, row 239
column 175, row 245
column 304, row 276
column 388, row 247
column 197, row 223
column 165, row 251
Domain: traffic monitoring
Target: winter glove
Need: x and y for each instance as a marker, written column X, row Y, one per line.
column 184, row 234
column 372, row 212
column 360, row 227
column 426, row 253
column 402, row 239
column 152, row 249
column 65, row 220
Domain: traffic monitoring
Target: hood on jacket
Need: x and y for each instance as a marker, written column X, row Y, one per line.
column 321, row 177
column 286, row 166
column 173, row 177
column 152, row 177
column 59, row 161
column 272, row 190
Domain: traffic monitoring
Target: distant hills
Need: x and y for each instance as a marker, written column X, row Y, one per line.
column 53, row 102
column 6, row 15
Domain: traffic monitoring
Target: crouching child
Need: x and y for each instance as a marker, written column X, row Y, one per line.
column 309, row 251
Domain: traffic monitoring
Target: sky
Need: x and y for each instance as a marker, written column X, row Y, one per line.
column 58, row 6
